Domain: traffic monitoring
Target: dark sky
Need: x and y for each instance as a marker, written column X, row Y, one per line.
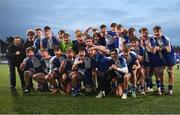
column 16, row 16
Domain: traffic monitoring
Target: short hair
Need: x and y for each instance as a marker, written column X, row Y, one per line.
column 143, row 29
column 17, row 37
column 131, row 29
column 61, row 32
column 94, row 29
column 38, row 29
column 119, row 26
column 43, row 50
column 79, row 35
column 81, row 49
column 103, row 26
column 157, row 28
column 30, row 32
column 90, row 47
column 97, row 35
column 126, row 48
column 66, row 35
column 56, row 48
column 114, row 50
column 78, row 31
column 28, row 49
column 69, row 50
column 113, row 25
column 89, row 37
column 47, row 28
column 134, row 38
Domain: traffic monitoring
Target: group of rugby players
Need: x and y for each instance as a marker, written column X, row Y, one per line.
column 106, row 62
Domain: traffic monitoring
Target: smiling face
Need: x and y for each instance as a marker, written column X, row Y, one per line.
column 89, row 42
column 144, row 34
column 47, row 33
column 31, row 37
column 80, row 39
column 30, row 53
column 120, row 30
column 114, row 55
column 157, row 33
column 61, row 35
column 69, row 54
column 96, row 36
column 113, row 28
column 103, row 30
column 17, row 41
column 57, row 53
column 131, row 33
column 39, row 33
column 126, row 53
column 82, row 54
column 91, row 52
column 44, row 54
column 66, row 39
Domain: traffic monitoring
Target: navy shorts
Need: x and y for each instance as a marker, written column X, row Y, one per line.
column 57, row 74
column 119, row 76
column 170, row 60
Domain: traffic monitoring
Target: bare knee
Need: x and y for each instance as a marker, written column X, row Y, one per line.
column 126, row 77
column 27, row 74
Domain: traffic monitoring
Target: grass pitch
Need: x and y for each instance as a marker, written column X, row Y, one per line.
column 43, row 102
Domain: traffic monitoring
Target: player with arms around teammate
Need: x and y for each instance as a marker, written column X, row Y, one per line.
column 33, row 66
column 133, row 66
column 82, row 70
column 165, row 48
column 119, row 70
column 56, row 70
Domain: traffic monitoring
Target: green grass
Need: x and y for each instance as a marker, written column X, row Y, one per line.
column 38, row 102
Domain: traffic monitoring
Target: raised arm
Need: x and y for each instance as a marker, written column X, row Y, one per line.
column 102, row 49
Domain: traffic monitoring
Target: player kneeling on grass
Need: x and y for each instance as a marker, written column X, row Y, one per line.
column 133, row 66
column 66, row 77
column 56, row 69
column 100, row 69
column 33, row 65
column 118, row 69
column 46, row 57
column 81, row 71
